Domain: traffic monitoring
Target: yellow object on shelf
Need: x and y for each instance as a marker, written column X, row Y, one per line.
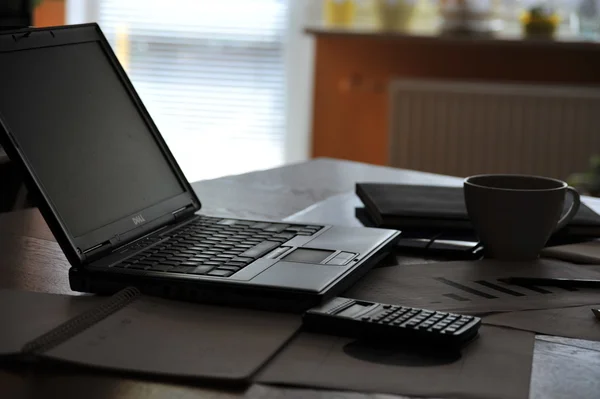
column 339, row 13
column 539, row 25
column 394, row 14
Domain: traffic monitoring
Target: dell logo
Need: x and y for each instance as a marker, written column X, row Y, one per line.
column 138, row 219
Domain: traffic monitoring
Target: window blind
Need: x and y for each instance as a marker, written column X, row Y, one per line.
column 212, row 75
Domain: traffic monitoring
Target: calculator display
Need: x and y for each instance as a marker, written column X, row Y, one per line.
column 353, row 310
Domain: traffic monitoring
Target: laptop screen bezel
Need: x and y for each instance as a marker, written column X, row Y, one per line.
column 122, row 230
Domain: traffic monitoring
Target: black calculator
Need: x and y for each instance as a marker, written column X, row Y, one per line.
column 376, row 321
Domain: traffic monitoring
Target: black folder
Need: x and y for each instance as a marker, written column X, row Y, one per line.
column 442, row 208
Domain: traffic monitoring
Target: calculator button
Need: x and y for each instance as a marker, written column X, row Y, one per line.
column 387, row 306
column 365, row 318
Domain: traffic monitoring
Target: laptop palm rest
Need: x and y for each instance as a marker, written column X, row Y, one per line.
column 300, row 276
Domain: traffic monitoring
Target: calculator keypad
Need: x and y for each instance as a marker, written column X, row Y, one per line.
column 420, row 319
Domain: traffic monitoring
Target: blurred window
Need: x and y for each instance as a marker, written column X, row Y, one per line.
column 212, row 75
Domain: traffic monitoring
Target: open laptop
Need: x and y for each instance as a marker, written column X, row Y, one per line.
column 119, row 205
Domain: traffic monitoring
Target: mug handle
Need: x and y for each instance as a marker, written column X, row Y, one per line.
column 572, row 210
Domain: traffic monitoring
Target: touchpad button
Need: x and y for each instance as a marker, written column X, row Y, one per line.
column 341, row 259
column 307, row 255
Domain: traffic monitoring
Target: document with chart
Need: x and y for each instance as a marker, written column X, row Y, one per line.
column 474, row 286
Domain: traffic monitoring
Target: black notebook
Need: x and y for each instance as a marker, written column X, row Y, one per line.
column 129, row 332
column 412, row 207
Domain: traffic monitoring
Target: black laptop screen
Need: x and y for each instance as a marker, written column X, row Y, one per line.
column 82, row 135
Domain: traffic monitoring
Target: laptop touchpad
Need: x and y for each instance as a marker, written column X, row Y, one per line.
column 307, row 255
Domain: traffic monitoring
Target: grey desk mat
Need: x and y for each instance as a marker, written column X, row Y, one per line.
column 496, row 365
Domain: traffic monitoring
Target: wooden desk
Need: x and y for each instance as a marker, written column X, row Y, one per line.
column 9, row 183
column 31, row 260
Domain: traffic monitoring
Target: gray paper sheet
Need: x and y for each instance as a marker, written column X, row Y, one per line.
column 585, row 252
column 157, row 336
column 473, row 286
column 258, row 391
column 27, row 315
column 575, row 322
column 496, row 365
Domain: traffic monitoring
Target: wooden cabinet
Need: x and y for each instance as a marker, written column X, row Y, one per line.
column 353, row 70
column 49, row 13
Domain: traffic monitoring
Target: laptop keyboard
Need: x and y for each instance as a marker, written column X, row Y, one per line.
column 215, row 246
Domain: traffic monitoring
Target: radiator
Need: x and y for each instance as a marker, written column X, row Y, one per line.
column 466, row 128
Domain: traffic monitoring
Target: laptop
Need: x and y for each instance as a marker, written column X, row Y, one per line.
column 120, row 207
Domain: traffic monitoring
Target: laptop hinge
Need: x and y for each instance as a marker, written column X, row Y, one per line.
column 183, row 212
column 92, row 252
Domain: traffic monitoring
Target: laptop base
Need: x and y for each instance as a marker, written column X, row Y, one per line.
column 246, row 296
